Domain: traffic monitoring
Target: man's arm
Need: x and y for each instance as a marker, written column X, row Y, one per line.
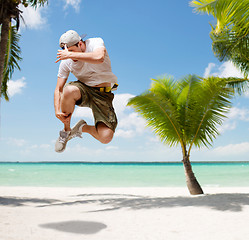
column 95, row 57
column 57, row 99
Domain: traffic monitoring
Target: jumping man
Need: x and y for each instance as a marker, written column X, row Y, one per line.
column 89, row 62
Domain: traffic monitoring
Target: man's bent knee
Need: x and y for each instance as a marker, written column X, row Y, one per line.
column 71, row 92
column 105, row 133
column 106, row 140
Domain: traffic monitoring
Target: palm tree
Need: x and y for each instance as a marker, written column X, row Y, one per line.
column 185, row 113
column 12, row 57
column 230, row 35
column 9, row 49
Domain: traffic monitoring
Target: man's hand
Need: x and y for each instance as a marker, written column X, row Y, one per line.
column 62, row 54
column 65, row 118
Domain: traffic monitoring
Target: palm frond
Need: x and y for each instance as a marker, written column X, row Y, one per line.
column 230, row 35
column 187, row 104
column 230, row 14
column 213, row 98
column 203, row 6
column 186, row 111
column 238, row 85
column 11, row 59
column 159, row 108
column 229, row 46
column 34, row 3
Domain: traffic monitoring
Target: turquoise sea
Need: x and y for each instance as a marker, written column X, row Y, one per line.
column 122, row 174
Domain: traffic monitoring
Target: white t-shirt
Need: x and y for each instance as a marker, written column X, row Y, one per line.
column 88, row 73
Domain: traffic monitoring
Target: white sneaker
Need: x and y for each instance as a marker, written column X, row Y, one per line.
column 76, row 131
column 61, row 142
column 64, row 137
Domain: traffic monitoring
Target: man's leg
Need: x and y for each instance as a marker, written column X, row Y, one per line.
column 103, row 112
column 71, row 94
column 103, row 133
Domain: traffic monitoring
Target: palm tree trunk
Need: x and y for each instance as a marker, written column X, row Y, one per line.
column 3, row 45
column 192, row 183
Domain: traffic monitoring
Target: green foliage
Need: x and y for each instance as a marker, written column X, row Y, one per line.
column 230, row 14
column 9, row 9
column 239, row 85
column 185, row 112
column 228, row 45
column 34, row 3
column 12, row 57
column 204, row 6
column 230, row 35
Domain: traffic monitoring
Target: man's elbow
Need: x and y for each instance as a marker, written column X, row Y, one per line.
column 101, row 56
column 101, row 59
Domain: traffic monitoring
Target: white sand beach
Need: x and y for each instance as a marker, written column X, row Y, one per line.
column 40, row 213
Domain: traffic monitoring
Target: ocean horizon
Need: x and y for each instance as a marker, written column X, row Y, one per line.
column 122, row 174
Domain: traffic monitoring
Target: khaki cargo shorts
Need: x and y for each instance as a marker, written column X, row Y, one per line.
column 99, row 102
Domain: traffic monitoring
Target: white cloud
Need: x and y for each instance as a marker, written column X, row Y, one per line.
column 239, row 113
column 86, row 151
column 83, row 112
column 45, row 146
column 235, row 114
column 232, row 149
column 35, row 146
column 26, row 148
column 33, row 18
column 130, row 123
column 120, row 101
column 73, row 3
column 226, row 126
column 208, row 69
column 227, row 69
column 15, row 87
column 16, row 142
column 124, row 133
column 154, row 139
column 112, row 148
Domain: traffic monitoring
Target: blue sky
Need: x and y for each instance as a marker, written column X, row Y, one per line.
column 145, row 39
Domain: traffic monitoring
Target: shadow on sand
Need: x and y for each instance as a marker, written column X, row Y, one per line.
column 76, row 227
column 18, row 202
column 110, row 202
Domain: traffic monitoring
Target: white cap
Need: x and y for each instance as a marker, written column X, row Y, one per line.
column 70, row 38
